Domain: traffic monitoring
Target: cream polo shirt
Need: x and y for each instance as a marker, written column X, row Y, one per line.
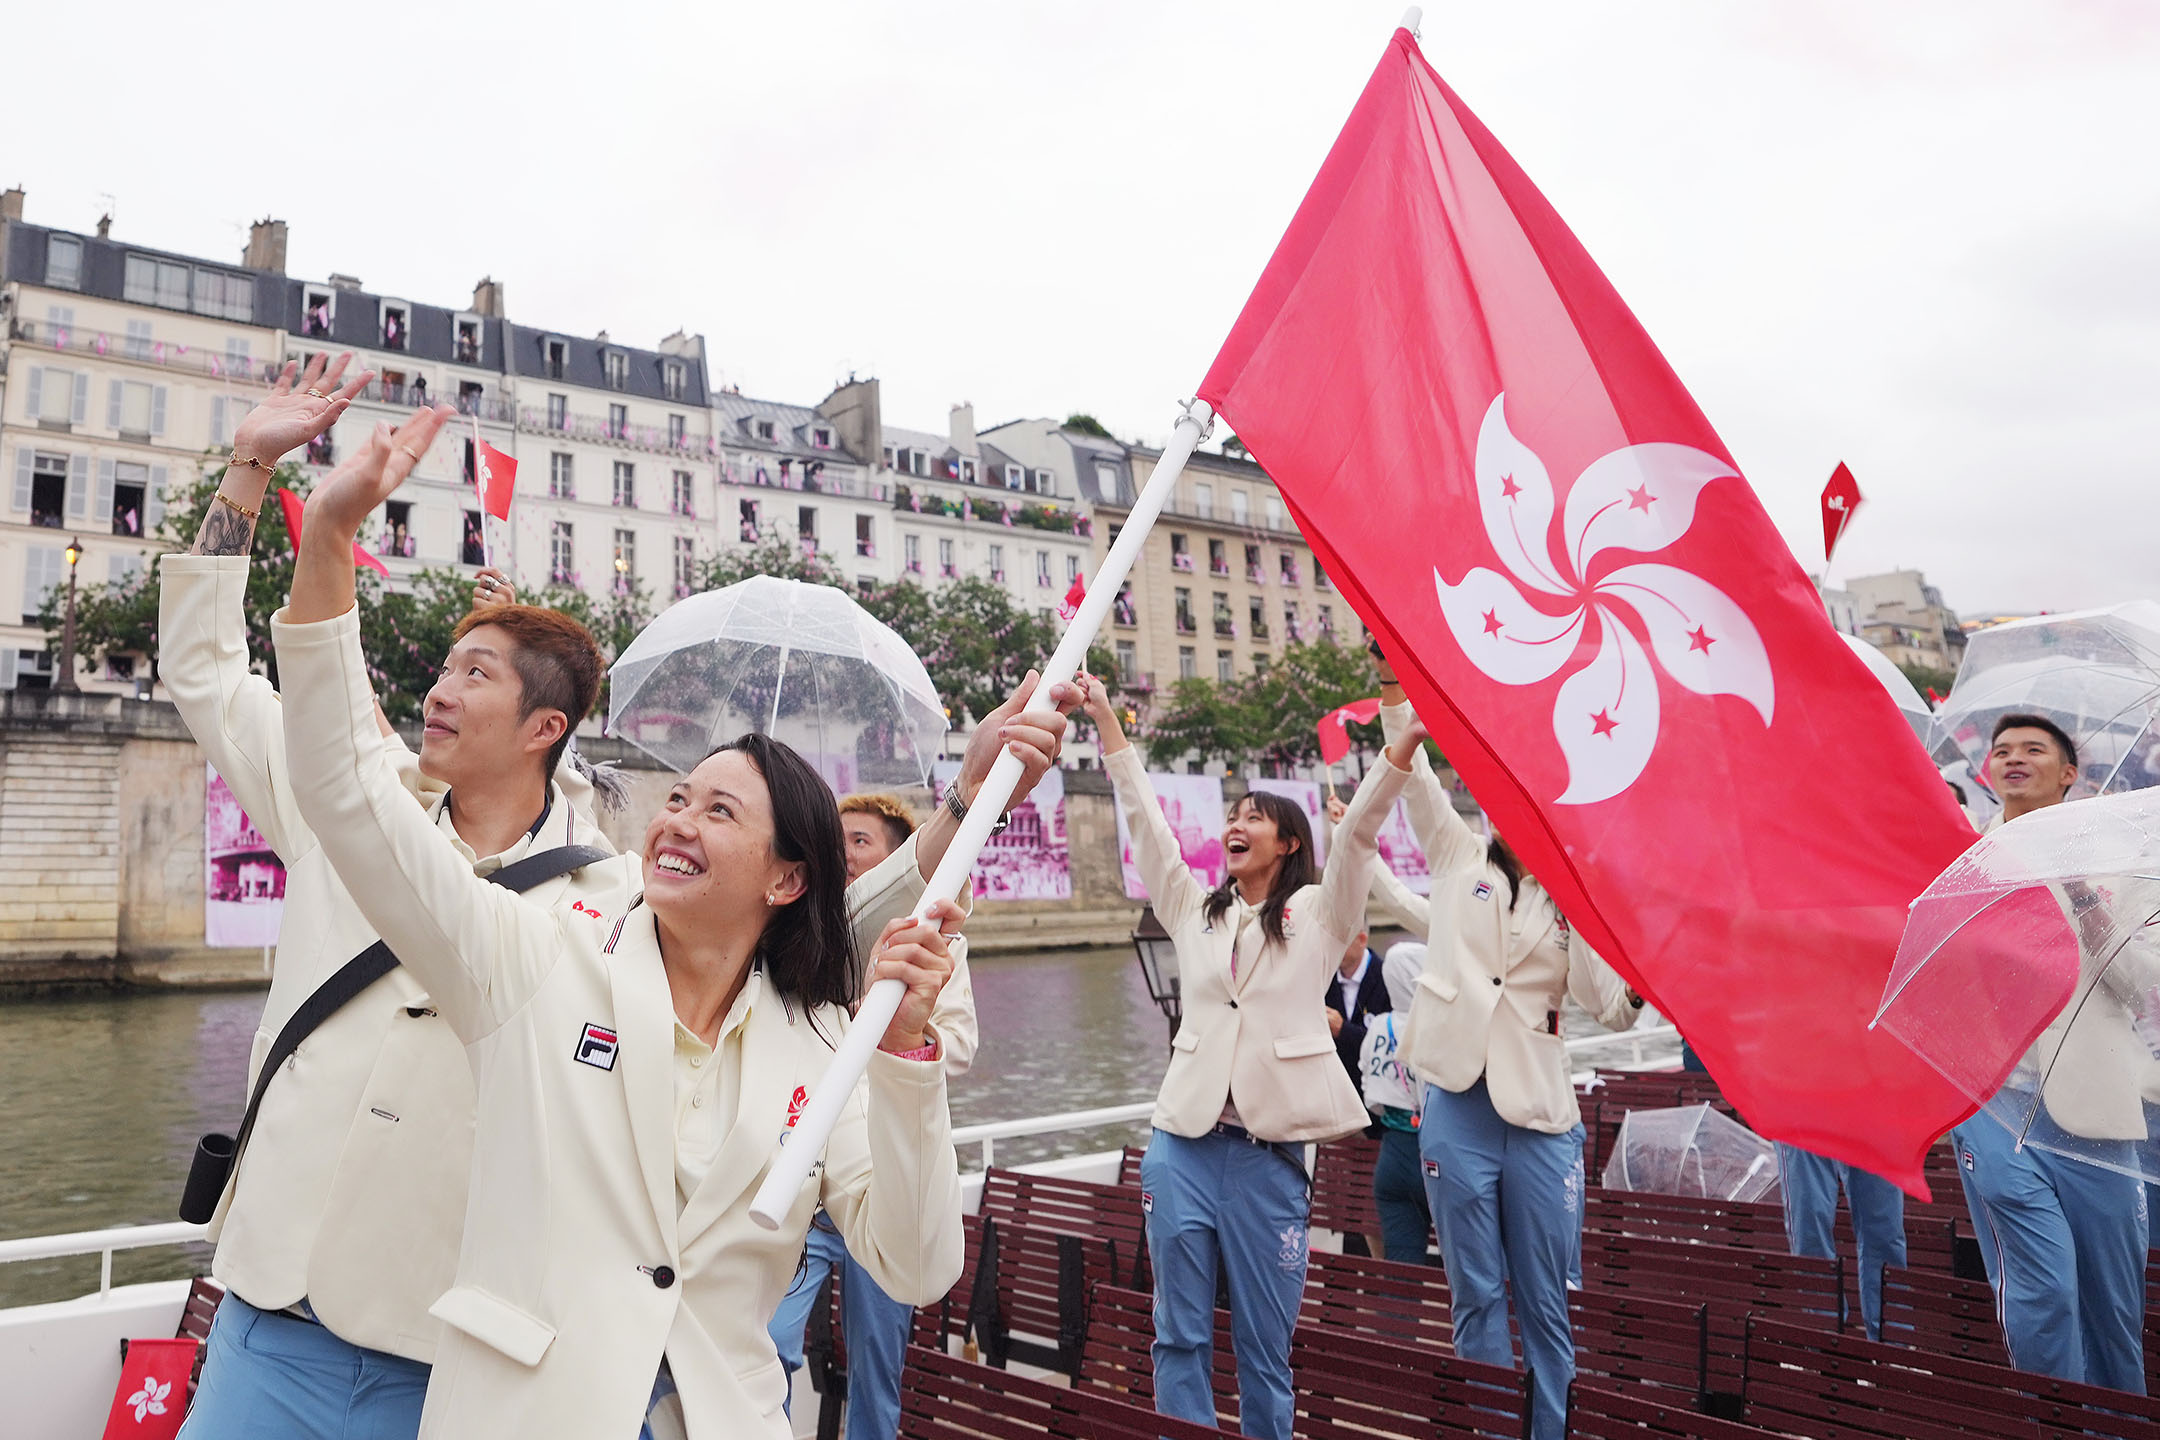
column 708, row 1083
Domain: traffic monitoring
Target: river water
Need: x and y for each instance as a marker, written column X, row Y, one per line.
column 102, row 1097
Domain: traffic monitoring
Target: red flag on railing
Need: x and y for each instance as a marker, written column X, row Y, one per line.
column 1840, row 502
column 290, row 504
column 1594, row 615
column 495, row 478
column 1334, row 739
column 151, row 1399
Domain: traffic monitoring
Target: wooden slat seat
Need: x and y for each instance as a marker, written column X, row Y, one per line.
column 1074, row 1207
column 945, row 1398
column 1030, row 1299
column 1342, row 1189
column 196, row 1317
column 1942, row 1315
column 1831, row 1387
column 1600, row 1410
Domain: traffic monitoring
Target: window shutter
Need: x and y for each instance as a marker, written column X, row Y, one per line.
column 217, row 420
column 101, row 508
column 23, row 461
column 112, row 405
column 7, row 668
column 78, row 487
column 79, row 412
column 157, row 410
column 154, row 504
column 36, row 394
column 34, row 582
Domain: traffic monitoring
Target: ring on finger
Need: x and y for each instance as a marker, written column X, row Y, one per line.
column 408, row 450
column 316, row 393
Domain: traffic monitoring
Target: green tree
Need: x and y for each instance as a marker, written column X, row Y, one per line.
column 1924, row 678
column 1086, row 424
column 771, row 555
column 1272, row 717
column 1201, row 718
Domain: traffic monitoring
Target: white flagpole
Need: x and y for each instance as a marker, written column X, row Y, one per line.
column 791, row 1167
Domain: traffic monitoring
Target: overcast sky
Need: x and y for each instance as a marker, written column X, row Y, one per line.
column 1923, row 238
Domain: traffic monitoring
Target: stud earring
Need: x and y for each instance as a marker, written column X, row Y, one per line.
column 769, row 900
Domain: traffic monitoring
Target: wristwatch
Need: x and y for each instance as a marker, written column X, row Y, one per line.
column 959, row 809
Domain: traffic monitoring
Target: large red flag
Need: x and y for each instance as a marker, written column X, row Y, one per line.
column 1594, row 615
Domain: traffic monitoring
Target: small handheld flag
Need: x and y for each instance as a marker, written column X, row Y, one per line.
column 495, row 479
column 290, row 504
column 1334, row 739
column 1070, row 605
column 1840, row 499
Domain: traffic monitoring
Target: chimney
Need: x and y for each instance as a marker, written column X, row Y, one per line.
column 602, row 337
column 856, row 415
column 487, row 298
column 684, row 346
column 344, row 282
column 104, row 227
column 11, row 203
column 962, row 428
column 266, row 246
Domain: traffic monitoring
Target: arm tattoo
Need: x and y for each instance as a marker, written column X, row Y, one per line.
column 225, row 531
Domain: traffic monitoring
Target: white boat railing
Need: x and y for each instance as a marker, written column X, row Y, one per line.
column 101, row 1243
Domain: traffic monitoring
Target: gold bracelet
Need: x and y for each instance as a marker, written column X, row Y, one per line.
column 270, row 470
column 237, row 508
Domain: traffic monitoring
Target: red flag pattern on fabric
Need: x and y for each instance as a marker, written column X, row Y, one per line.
column 151, row 1399
column 496, row 480
column 1594, row 615
column 1334, row 739
column 1074, row 594
column 290, row 504
column 1840, row 502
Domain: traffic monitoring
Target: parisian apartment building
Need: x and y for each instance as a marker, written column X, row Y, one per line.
column 124, row 370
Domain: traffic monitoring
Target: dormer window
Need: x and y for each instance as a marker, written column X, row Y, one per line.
column 468, row 342
column 315, row 315
column 888, row 457
column 764, row 429
column 1015, row 477
column 616, row 366
column 396, row 326
column 557, row 353
column 63, row 262
column 671, row 379
column 1045, row 483
column 967, row 470
column 920, row 462
column 821, row 437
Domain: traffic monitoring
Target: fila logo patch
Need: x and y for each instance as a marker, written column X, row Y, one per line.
column 1967, row 1157
column 596, row 1047
column 1483, row 890
column 1432, row 1169
column 1147, row 1202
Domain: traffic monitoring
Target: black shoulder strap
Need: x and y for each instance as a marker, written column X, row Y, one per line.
column 371, row 964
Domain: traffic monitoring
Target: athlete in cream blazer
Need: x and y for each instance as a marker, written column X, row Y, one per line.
column 577, row 1272
column 1488, row 1002
column 1260, row 1039
column 351, row 1192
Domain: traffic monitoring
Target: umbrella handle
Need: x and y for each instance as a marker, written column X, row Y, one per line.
column 791, row 1167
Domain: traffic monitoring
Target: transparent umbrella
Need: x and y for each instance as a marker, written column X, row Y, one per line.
column 802, row 663
column 1692, row 1150
column 2096, row 673
column 1909, row 704
column 2029, row 976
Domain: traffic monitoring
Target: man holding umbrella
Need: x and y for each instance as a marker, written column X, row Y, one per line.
column 2064, row 1240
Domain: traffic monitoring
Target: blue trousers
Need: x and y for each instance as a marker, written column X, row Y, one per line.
column 1509, row 1211
column 1399, row 1196
column 269, row 1376
column 2064, row 1243
column 1811, row 1182
column 1219, row 1199
column 1581, row 1137
column 875, row 1325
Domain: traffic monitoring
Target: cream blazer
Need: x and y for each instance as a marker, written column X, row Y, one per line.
column 1488, row 1002
column 577, row 1274
column 352, row 1190
column 1259, row 1040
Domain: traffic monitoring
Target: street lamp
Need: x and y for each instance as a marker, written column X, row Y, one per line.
column 1159, row 966
column 622, row 575
column 66, row 678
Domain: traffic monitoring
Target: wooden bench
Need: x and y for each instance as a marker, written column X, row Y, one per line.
column 1342, row 1189
column 1030, row 1297
column 1111, row 1213
column 1942, row 1315
column 945, row 1398
column 196, row 1317
column 1599, row 1410
column 1345, row 1385
column 1384, row 1299
column 1808, row 1383
column 1128, row 1171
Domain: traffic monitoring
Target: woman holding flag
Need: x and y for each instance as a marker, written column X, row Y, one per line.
column 1253, row 1072
column 1499, row 1132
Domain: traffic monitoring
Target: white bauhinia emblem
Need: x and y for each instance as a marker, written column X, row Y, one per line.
column 1641, row 498
column 150, row 1400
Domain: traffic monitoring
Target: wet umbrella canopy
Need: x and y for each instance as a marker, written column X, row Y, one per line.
column 2029, row 975
column 1692, row 1150
column 2096, row 673
column 802, row 663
